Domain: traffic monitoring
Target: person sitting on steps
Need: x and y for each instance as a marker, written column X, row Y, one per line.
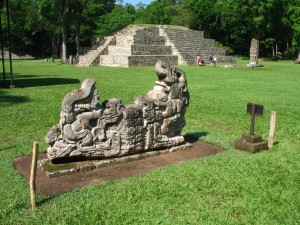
column 199, row 61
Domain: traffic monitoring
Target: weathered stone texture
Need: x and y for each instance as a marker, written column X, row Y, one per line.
column 254, row 52
column 173, row 44
column 88, row 130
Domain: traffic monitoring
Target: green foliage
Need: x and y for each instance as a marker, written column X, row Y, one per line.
column 119, row 18
column 92, row 15
column 294, row 13
column 21, row 22
column 36, row 24
column 229, row 51
column 233, row 187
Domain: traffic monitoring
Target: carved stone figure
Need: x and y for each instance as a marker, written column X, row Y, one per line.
column 254, row 52
column 88, row 130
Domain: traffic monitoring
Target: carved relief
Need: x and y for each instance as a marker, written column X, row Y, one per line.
column 89, row 130
column 254, row 52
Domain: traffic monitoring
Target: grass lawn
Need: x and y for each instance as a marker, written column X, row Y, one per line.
column 233, row 187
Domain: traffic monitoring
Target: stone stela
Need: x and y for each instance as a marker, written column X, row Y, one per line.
column 254, row 53
column 252, row 142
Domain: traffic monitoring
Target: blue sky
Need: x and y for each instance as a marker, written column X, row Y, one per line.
column 134, row 2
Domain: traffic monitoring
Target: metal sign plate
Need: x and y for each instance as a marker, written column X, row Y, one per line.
column 257, row 109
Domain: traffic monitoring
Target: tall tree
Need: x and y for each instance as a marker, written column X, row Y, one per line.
column 77, row 8
column 118, row 18
column 92, row 19
column 294, row 18
column 59, row 9
column 21, row 33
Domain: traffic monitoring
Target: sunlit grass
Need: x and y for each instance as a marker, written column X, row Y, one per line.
column 230, row 188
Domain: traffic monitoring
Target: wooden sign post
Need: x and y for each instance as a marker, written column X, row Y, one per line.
column 272, row 129
column 254, row 110
column 33, row 174
column 252, row 142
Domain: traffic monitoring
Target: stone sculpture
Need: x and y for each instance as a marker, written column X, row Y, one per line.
column 88, row 130
column 254, row 52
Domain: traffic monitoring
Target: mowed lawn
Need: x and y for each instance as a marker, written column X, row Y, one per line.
column 233, row 187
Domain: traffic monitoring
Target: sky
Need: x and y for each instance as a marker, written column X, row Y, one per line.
column 134, row 2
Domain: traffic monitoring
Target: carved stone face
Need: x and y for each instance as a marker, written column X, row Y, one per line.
column 111, row 107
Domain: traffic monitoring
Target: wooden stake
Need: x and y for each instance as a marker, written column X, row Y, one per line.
column 33, row 173
column 272, row 129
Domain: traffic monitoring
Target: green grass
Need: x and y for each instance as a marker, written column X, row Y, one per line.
column 233, row 187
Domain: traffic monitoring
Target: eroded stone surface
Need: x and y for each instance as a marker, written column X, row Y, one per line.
column 58, row 170
column 254, row 53
column 88, row 130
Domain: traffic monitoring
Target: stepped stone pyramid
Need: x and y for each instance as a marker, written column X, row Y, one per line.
column 140, row 45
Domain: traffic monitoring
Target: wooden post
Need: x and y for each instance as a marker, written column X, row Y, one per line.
column 272, row 129
column 252, row 120
column 33, row 173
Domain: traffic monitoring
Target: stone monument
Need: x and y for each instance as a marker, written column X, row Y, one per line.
column 89, row 130
column 254, row 52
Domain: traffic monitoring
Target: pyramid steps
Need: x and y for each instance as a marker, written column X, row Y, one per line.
column 139, row 45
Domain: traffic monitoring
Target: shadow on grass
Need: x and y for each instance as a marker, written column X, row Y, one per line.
column 13, row 99
column 22, row 76
column 22, row 83
column 193, row 137
column 6, row 100
column 45, row 200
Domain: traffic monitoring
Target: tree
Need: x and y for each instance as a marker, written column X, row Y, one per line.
column 140, row 6
column 92, row 18
column 182, row 15
column 77, row 8
column 57, row 8
column 118, row 18
column 21, row 32
column 294, row 18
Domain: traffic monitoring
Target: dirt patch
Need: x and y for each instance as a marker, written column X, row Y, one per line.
column 54, row 186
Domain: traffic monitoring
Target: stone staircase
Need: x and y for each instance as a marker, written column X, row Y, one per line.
column 187, row 44
column 139, row 45
column 91, row 58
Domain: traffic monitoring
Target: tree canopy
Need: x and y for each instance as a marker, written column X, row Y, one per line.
column 44, row 27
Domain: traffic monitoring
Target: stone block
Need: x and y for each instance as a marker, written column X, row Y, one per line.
column 252, row 138
column 151, row 50
column 149, row 40
column 150, row 60
column 251, row 143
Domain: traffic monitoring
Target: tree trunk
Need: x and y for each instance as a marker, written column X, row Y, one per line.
column 298, row 55
column 64, row 44
column 53, row 45
column 78, row 22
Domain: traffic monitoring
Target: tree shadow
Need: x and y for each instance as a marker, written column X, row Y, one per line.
column 20, row 76
column 193, row 137
column 49, row 81
column 6, row 100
